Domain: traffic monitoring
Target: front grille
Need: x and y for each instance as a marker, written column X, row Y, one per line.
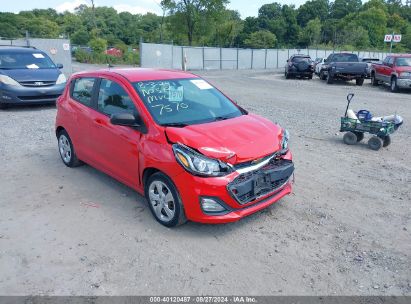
column 252, row 185
column 38, row 97
column 37, row 84
column 253, row 162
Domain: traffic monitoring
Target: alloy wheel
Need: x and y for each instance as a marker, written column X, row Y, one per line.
column 65, row 148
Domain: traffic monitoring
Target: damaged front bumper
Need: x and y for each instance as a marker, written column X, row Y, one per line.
column 253, row 185
column 245, row 191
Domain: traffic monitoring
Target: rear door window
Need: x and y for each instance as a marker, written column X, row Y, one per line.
column 113, row 99
column 82, row 90
column 301, row 59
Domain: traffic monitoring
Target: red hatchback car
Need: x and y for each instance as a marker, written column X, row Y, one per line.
column 170, row 135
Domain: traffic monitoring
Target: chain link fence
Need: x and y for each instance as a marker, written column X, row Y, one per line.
column 170, row 56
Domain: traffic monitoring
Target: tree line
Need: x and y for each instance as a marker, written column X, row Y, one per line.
column 347, row 24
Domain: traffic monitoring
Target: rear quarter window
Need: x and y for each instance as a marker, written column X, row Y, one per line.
column 82, row 90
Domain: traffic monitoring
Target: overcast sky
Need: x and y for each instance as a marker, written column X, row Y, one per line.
column 245, row 7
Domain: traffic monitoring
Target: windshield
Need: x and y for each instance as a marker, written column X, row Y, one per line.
column 345, row 58
column 25, row 60
column 403, row 61
column 182, row 102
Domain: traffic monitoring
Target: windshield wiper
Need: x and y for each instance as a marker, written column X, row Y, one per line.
column 174, row 124
column 218, row 118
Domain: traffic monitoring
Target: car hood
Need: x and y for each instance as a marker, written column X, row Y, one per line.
column 235, row 140
column 32, row 74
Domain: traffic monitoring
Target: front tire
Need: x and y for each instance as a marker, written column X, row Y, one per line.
column 164, row 201
column 66, row 149
column 394, row 86
column 322, row 76
column 374, row 80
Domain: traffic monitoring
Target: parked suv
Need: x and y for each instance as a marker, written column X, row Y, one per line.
column 300, row 66
column 191, row 151
column 28, row 76
column 395, row 70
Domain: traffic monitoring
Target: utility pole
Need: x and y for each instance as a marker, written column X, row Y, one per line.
column 93, row 9
column 392, row 39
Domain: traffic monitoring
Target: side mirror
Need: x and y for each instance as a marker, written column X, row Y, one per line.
column 59, row 65
column 125, row 119
column 325, row 60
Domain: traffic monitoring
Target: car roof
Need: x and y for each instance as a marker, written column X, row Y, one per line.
column 16, row 49
column 141, row 74
column 301, row 55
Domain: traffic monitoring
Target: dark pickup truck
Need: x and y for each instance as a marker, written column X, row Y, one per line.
column 344, row 66
column 395, row 70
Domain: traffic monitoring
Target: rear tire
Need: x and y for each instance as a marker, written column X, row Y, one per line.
column 3, row 106
column 310, row 76
column 164, row 201
column 66, row 149
column 359, row 81
column 393, row 85
column 360, row 136
column 350, row 138
column 386, row 141
column 287, row 76
column 375, row 143
column 330, row 79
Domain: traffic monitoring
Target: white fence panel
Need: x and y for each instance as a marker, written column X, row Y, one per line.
column 229, row 59
column 212, row 58
column 244, row 59
column 272, row 59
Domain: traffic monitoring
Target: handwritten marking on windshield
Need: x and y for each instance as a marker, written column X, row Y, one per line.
column 169, row 108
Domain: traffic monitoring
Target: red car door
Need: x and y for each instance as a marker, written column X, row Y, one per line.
column 79, row 105
column 115, row 147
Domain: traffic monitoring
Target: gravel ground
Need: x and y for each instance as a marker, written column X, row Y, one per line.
column 344, row 231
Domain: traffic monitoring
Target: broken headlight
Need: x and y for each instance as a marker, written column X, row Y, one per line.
column 284, row 141
column 198, row 164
